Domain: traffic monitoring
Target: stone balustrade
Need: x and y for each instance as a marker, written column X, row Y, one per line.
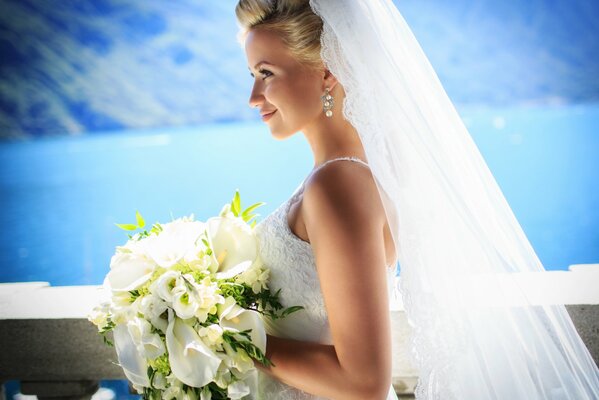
column 55, row 352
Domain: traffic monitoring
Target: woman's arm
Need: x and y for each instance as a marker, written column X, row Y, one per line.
column 344, row 219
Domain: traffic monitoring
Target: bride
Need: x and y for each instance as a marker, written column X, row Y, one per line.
column 331, row 234
column 396, row 177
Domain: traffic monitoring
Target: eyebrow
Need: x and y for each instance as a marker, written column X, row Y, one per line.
column 261, row 62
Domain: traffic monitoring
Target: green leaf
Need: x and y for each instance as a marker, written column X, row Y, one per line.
column 251, row 208
column 140, row 221
column 290, row 310
column 236, row 204
column 127, row 227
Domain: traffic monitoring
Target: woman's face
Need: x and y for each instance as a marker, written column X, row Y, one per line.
column 282, row 85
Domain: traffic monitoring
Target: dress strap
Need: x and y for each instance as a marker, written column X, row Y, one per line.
column 350, row 158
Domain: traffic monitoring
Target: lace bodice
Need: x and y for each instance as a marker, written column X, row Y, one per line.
column 293, row 270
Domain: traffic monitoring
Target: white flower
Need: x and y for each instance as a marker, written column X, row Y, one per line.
column 167, row 285
column 128, row 271
column 149, row 344
column 99, row 315
column 233, row 243
column 237, row 390
column 208, row 298
column 159, row 381
column 255, row 277
column 235, row 318
column 191, row 360
column 223, row 374
column 173, row 392
column 133, row 364
column 205, row 394
column 212, row 334
column 122, row 308
column 152, row 307
column 226, row 211
column 175, row 240
column 185, row 304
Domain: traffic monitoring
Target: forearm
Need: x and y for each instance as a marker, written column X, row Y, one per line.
column 314, row 368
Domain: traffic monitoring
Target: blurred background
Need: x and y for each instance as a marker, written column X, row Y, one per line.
column 113, row 106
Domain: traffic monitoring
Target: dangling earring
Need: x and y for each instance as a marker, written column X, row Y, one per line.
column 327, row 103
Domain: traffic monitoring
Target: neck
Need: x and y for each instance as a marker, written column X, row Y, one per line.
column 331, row 138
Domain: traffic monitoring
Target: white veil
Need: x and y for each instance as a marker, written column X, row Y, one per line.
column 450, row 222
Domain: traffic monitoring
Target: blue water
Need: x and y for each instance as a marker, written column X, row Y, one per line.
column 61, row 197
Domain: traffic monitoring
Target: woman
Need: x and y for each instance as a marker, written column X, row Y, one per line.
column 326, row 218
column 413, row 186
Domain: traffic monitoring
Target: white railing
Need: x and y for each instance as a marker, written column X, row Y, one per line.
column 55, row 352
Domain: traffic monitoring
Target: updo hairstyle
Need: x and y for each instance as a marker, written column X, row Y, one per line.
column 292, row 20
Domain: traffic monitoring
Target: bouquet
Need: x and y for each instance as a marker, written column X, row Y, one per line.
column 186, row 305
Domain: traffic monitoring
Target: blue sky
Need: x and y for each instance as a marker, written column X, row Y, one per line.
column 91, row 66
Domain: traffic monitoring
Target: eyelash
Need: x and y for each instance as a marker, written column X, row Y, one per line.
column 262, row 71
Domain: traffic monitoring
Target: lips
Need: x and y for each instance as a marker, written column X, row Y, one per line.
column 266, row 116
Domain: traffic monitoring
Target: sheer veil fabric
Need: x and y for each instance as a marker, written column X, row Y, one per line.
column 451, row 224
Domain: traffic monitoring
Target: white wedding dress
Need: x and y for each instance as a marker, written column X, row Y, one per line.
column 293, row 270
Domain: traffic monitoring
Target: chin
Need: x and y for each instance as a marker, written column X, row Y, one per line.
column 282, row 134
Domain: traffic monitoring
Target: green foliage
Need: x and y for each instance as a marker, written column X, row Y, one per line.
column 246, row 214
column 246, row 345
column 104, row 331
column 140, row 221
column 264, row 302
column 127, row 227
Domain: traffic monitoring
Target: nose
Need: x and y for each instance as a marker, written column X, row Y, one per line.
column 256, row 96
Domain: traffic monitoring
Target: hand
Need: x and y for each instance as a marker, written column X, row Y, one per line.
column 269, row 340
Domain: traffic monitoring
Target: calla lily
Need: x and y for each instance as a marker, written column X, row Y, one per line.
column 133, row 364
column 232, row 241
column 128, row 272
column 191, row 361
column 236, row 318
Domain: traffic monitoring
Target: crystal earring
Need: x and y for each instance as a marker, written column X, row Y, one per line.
column 327, row 103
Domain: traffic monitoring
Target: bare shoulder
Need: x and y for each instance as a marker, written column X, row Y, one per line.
column 346, row 190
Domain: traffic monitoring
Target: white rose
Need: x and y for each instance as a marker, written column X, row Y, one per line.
column 167, row 285
column 233, row 243
column 128, row 271
column 191, row 360
column 133, row 364
column 149, row 344
column 176, row 239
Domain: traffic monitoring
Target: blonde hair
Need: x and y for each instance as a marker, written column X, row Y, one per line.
column 293, row 20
